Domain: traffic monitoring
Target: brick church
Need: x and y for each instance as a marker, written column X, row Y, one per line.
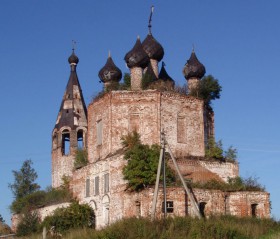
column 98, row 129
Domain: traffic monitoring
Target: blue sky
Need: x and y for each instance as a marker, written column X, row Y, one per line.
column 237, row 41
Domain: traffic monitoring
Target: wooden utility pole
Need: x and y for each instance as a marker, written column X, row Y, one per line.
column 161, row 164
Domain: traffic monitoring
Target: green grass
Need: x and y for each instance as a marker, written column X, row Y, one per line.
column 224, row 227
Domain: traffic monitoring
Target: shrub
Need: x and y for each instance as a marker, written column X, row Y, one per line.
column 81, row 158
column 75, row 216
column 231, row 154
column 214, row 149
column 208, row 89
column 233, row 185
column 30, row 223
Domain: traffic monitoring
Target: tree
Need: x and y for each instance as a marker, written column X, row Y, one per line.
column 2, row 219
column 231, row 154
column 141, row 169
column 24, row 183
column 208, row 89
column 214, row 149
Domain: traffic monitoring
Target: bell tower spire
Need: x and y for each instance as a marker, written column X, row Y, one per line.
column 70, row 129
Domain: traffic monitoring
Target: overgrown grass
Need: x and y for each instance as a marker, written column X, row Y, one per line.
column 224, row 227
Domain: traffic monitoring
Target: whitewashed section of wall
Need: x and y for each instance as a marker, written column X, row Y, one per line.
column 225, row 170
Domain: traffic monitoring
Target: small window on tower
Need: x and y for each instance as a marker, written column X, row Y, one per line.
column 65, row 147
column 80, row 139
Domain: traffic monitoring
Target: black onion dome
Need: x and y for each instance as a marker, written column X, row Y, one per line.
column 163, row 75
column 193, row 68
column 153, row 48
column 137, row 57
column 73, row 59
column 110, row 72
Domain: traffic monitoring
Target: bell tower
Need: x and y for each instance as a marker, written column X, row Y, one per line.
column 69, row 133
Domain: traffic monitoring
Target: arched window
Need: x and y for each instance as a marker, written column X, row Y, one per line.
column 80, row 138
column 65, row 147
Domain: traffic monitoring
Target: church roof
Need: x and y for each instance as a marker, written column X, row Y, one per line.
column 163, row 75
column 193, row 68
column 73, row 108
column 137, row 57
column 153, row 48
column 73, row 59
column 110, row 72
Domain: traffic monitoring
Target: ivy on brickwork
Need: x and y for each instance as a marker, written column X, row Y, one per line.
column 141, row 168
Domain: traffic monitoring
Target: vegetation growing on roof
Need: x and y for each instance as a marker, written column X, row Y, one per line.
column 207, row 89
column 214, row 150
column 233, row 185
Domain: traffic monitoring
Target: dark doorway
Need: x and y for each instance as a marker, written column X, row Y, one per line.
column 202, row 208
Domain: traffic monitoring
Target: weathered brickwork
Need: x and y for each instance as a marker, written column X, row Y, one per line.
column 183, row 120
column 186, row 122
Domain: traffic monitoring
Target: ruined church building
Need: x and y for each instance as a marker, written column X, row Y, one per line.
column 98, row 128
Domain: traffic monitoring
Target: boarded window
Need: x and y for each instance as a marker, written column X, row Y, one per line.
column 96, row 185
column 99, row 132
column 169, row 207
column 182, row 129
column 106, row 183
column 134, row 122
column 87, row 188
column 65, row 147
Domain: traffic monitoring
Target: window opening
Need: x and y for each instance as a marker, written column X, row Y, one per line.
column 96, row 185
column 87, row 188
column 169, row 207
column 65, row 142
column 106, row 183
column 80, row 139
